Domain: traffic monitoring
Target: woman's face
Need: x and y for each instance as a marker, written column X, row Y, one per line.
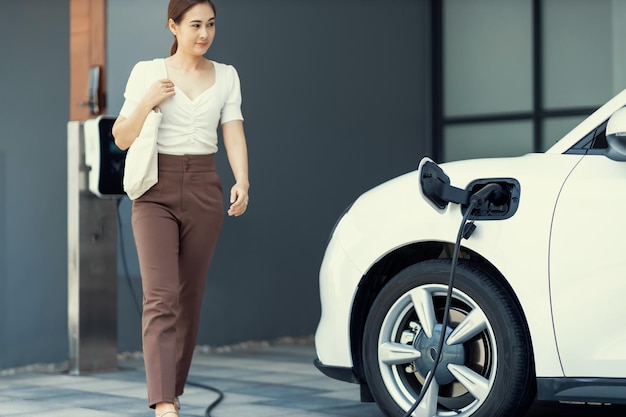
column 196, row 30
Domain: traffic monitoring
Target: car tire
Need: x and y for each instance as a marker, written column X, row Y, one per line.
column 486, row 368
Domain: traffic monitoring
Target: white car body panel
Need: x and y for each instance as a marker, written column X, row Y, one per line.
column 588, row 295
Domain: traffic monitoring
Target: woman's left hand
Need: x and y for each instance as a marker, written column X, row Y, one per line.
column 238, row 200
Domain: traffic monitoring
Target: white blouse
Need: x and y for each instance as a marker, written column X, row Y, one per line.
column 188, row 127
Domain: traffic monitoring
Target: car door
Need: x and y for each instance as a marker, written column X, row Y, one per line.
column 588, row 266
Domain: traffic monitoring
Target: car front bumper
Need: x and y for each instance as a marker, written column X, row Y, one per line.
column 339, row 279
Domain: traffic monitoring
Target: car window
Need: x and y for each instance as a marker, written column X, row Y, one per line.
column 593, row 144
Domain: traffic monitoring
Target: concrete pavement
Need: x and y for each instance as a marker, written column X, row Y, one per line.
column 261, row 381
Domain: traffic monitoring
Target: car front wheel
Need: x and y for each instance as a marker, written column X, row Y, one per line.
column 486, row 365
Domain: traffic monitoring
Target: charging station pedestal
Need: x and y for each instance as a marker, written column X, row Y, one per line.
column 92, row 265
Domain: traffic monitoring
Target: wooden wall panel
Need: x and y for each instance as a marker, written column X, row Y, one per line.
column 87, row 49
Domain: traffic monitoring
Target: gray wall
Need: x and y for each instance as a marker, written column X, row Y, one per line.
column 336, row 100
column 3, row 250
column 34, row 97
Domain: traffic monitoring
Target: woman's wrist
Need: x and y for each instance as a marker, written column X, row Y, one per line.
column 242, row 182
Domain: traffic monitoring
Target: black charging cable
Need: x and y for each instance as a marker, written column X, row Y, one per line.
column 476, row 200
column 446, row 314
column 220, row 394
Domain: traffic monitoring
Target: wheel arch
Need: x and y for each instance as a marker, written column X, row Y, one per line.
column 391, row 264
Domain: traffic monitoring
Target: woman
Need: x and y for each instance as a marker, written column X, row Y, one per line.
column 176, row 223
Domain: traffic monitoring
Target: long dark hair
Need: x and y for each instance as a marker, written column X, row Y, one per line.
column 177, row 9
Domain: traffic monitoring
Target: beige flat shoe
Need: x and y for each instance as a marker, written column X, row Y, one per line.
column 170, row 412
column 177, row 403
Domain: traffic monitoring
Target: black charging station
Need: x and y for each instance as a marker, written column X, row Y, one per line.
column 104, row 159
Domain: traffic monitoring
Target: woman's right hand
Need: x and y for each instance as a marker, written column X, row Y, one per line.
column 159, row 91
column 126, row 130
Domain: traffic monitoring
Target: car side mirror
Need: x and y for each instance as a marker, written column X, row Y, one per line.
column 616, row 135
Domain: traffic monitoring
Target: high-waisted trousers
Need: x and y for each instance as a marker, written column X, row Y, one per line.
column 176, row 225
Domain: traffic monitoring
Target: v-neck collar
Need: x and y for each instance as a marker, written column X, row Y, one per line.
column 182, row 93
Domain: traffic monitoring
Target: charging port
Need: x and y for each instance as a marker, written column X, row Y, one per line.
column 499, row 206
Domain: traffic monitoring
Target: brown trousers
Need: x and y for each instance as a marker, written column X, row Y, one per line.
column 176, row 225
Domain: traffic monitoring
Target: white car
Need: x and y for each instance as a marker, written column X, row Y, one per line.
column 537, row 302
